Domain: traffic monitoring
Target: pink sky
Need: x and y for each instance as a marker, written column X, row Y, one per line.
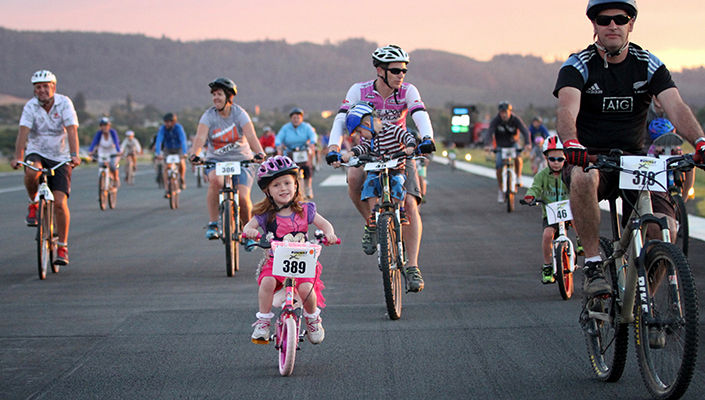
column 672, row 30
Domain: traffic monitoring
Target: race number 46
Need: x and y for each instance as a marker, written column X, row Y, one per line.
column 558, row 212
column 643, row 173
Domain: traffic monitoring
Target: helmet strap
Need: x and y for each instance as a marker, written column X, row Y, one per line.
column 608, row 53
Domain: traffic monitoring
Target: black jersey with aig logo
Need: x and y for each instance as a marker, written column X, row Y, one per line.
column 615, row 100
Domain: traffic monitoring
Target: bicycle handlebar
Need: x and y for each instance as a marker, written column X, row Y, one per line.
column 611, row 161
column 196, row 160
column 371, row 157
column 31, row 166
column 265, row 241
column 535, row 202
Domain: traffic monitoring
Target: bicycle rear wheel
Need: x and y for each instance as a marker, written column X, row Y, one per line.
column 605, row 334
column 667, row 346
column 288, row 340
column 232, row 250
column 130, row 172
column 45, row 253
column 683, row 238
column 390, row 265
column 563, row 274
column 102, row 191
column 173, row 191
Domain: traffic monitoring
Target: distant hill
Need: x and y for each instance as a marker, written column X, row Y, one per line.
column 173, row 75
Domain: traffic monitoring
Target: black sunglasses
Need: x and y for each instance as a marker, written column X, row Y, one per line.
column 556, row 159
column 397, row 71
column 606, row 20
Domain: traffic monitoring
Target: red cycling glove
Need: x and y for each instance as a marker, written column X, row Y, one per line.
column 575, row 153
column 699, row 156
column 528, row 199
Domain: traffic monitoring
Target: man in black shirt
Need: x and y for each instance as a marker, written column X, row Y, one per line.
column 603, row 95
column 505, row 129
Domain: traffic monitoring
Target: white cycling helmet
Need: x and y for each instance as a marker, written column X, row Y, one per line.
column 552, row 143
column 389, row 54
column 130, row 133
column 43, row 76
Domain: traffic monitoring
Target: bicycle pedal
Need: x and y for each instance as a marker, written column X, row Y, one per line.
column 260, row 341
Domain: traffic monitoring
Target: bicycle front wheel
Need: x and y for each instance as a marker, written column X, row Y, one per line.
column 112, row 195
column 390, row 265
column 667, row 343
column 683, row 238
column 287, row 349
column 509, row 194
column 228, row 228
column 130, row 172
column 174, row 192
column 563, row 274
column 605, row 334
column 45, row 254
column 102, row 191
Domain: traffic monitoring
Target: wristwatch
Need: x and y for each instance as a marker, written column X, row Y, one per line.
column 74, row 154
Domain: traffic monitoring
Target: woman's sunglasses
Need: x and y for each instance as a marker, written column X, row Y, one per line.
column 606, row 20
column 397, row 71
column 556, row 159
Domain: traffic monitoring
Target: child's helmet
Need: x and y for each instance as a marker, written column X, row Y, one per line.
column 274, row 168
column 356, row 113
column 660, row 126
column 552, row 143
column 538, row 140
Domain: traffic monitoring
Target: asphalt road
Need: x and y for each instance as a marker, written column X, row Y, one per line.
column 145, row 310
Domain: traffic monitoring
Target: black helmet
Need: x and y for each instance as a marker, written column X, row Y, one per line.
column 168, row 117
column 296, row 110
column 226, row 84
column 596, row 6
column 504, row 106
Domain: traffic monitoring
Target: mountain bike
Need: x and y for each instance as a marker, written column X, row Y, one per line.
column 107, row 191
column 391, row 249
column 509, row 176
column 173, row 180
column 292, row 260
column 652, row 287
column 671, row 143
column 563, row 252
column 46, row 239
column 228, row 210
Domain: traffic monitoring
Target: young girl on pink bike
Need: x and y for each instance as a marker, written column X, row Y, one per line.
column 284, row 214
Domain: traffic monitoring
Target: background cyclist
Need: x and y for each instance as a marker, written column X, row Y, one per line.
column 393, row 99
column 131, row 148
column 297, row 134
column 171, row 139
column 604, row 93
column 505, row 129
column 231, row 137
column 46, row 143
column 107, row 145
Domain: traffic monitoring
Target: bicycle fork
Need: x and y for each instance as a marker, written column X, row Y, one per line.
column 508, row 169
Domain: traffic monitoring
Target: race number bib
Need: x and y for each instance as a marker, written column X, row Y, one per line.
column 295, row 260
column 643, row 173
column 45, row 191
column 509, row 152
column 376, row 166
column 173, row 159
column 300, row 156
column 558, row 212
column 227, row 168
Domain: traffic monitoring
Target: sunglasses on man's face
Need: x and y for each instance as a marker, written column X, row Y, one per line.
column 556, row 159
column 397, row 71
column 606, row 20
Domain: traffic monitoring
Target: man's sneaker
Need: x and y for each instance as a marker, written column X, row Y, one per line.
column 500, row 197
column 261, row 333
column 369, row 240
column 212, row 232
column 62, row 256
column 413, row 275
column 579, row 249
column 595, row 283
column 31, row 219
column 404, row 220
column 314, row 329
column 547, row 274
